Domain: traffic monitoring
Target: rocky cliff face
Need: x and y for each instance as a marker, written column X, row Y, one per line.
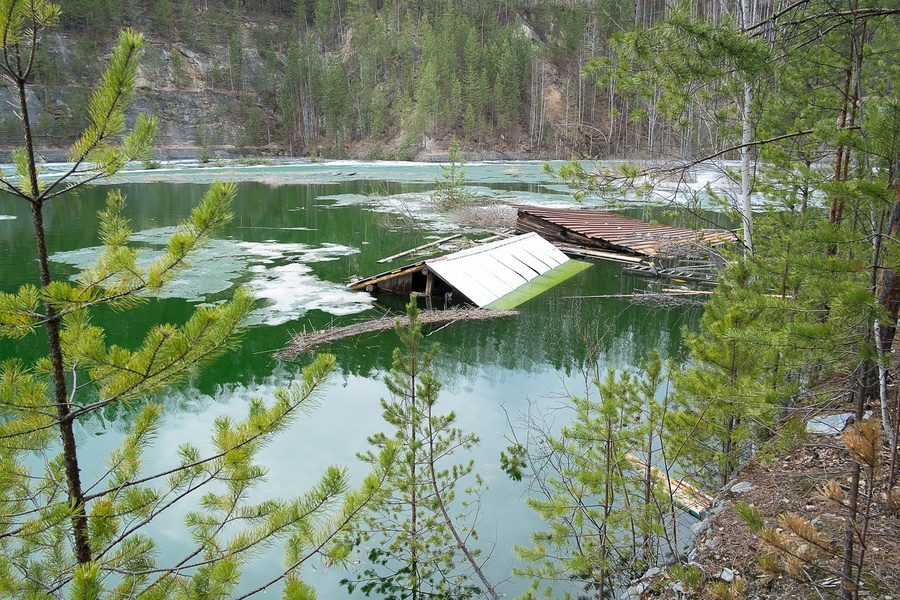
column 206, row 110
column 196, row 118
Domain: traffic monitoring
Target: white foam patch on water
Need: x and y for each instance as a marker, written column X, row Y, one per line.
column 7, row 217
column 278, row 274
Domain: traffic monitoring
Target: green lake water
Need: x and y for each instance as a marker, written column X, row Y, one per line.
column 299, row 233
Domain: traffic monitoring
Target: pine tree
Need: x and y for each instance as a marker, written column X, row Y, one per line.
column 419, row 549
column 450, row 191
column 722, row 399
column 336, row 104
column 236, row 63
column 687, row 72
column 66, row 530
column 163, row 17
column 604, row 512
column 427, row 92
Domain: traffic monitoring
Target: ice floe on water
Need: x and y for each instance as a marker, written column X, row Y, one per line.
column 415, row 206
column 279, row 274
column 672, row 183
column 289, row 291
column 272, row 251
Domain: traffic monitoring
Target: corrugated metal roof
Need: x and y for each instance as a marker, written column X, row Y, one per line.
column 486, row 273
column 626, row 233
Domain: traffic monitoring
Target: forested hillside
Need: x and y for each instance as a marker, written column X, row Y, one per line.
column 377, row 79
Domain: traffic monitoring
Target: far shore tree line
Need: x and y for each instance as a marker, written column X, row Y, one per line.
column 805, row 314
column 393, row 79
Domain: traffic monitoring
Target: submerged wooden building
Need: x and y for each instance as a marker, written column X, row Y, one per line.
column 594, row 232
column 481, row 276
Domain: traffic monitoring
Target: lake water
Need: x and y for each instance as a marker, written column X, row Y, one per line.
column 300, row 232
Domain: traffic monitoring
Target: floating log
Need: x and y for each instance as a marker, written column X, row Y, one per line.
column 684, row 494
column 278, row 228
column 308, row 340
column 417, row 248
column 598, row 296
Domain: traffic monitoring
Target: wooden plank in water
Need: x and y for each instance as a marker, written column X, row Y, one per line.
column 371, row 281
column 494, row 238
column 592, row 253
column 684, row 494
column 417, row 248
column 687, row 292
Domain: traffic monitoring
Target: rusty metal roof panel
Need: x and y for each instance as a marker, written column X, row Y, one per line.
column 624, row 232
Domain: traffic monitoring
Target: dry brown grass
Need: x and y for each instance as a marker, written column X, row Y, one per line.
column 799, row 496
